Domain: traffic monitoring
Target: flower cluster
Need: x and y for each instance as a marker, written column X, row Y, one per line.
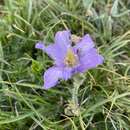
column 68, row 59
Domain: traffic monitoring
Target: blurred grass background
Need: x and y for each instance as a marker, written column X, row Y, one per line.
column 104, row 96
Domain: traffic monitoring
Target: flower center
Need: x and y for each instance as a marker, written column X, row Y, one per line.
column 70, row 59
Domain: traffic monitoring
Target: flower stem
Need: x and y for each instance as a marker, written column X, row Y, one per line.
column 78, row 81
column 72, row 108
column 75, row 94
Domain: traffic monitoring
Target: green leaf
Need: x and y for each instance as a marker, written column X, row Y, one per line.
column 36, row 67
column 87, row 3
column 1, row 58
column 114, row 10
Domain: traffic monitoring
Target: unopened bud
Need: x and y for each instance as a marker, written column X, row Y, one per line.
column 75, row 39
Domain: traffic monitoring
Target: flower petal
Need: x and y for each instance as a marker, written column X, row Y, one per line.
column 56, row 54
column 84, row 45
column 66, row 73
column 40, row 45
column 59, row 49
column 51, row 77
column 63, row 38
column 63, row 41
column 90, row 60
column 53, row 51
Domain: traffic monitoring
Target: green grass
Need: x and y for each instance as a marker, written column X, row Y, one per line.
column 104, row 94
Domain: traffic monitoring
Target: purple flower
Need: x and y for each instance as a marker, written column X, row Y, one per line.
column 68, row 59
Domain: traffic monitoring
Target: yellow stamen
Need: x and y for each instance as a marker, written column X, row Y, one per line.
column 70, row 59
